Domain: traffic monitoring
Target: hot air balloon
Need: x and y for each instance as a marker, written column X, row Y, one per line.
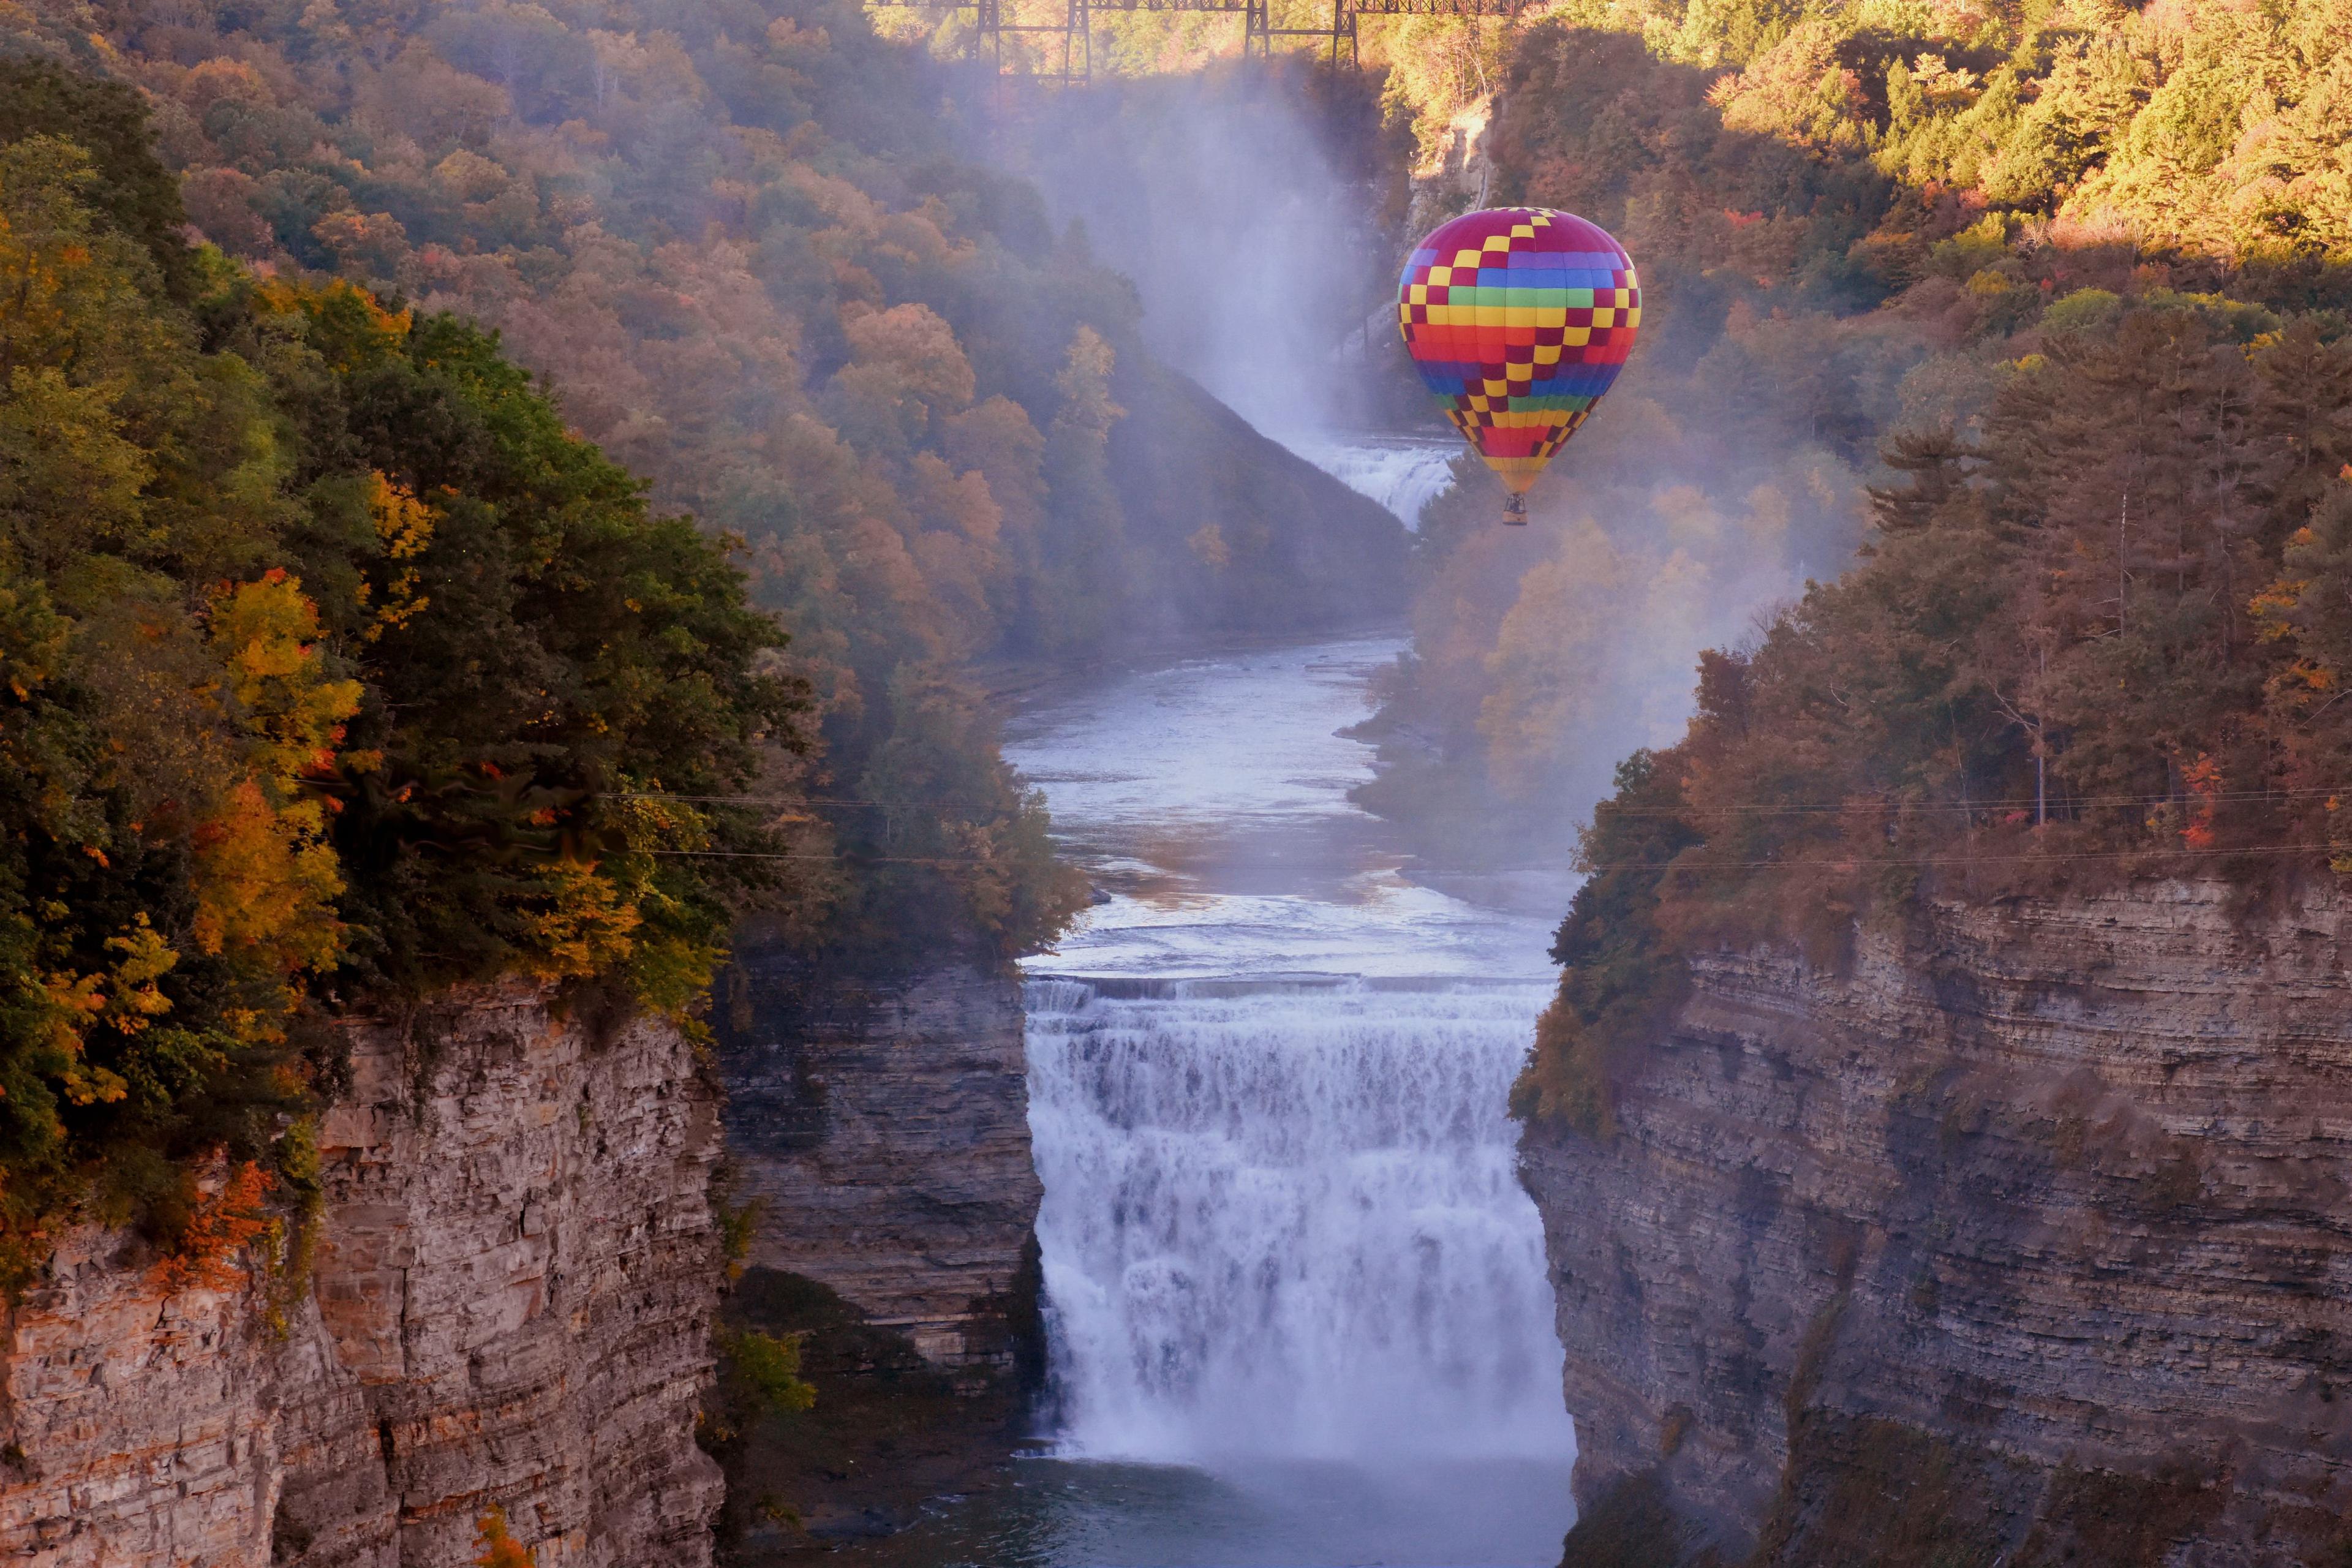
column 1519, row 319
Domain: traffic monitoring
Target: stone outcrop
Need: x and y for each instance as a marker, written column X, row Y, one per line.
column 2025, row 1238
column 508, row 1305
column 884, row 1130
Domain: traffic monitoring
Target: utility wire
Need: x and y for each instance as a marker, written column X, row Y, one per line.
column 1867, row 804
column 1851, row 863
column 1760, row 808
column 1857, row 863
column 749, row 799
column 845, row 859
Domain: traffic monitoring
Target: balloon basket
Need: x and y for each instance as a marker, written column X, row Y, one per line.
column 1515, row 511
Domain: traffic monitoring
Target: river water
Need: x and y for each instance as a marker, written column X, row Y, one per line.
column 1297, row 1306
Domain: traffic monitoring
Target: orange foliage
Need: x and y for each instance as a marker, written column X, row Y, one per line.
column 222, row 1224
column 499, row 1549
column 2203, row 779
column 269, row 880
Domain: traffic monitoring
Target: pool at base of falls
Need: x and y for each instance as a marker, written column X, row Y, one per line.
column 1058, row 1514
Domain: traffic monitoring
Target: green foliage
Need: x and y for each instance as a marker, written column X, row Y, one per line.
column 109, row 121
column 765, row 1371
column 759, row 1378
column 330, row 664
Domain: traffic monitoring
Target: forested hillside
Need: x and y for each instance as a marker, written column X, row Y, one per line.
column 743, row 245
column 1923, row 229
column 335, row 671
column 2060, row 295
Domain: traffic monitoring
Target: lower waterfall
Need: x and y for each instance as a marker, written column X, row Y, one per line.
column 1283, row 1217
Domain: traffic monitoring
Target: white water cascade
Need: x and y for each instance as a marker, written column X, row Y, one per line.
column 1402, row 473
column 1286, row 1250
column 1282, row 1218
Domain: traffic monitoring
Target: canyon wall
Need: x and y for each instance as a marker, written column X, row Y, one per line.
column 2022, row 1238
column 514, row 1277
column 883, row 1126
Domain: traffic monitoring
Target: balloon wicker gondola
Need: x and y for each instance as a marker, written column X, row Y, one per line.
column 1519, row 319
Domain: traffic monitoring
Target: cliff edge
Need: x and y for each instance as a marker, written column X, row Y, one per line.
column 884, row 1128
column 515, row 1268
column 2021, row 1241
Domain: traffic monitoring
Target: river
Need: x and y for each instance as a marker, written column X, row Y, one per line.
column 1297, row 1306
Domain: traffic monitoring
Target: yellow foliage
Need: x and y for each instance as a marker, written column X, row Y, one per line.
column 387, row 328
column 266, row 885
column 267, row 879
column 404, row 525
column 138, row 1001
column 267, row 632
column 586, row 926
column 68, row 1005
column 1207, row 543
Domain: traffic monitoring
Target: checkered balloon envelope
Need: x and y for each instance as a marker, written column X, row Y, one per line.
column 1520, row 318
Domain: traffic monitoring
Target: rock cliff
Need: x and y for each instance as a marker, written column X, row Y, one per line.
column 514, row 1277
column 2024, row 1238
column 885, row 1129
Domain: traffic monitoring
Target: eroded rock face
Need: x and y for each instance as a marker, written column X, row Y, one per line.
column 885, row 1127
column 513, row 1281
column 2037, row 1219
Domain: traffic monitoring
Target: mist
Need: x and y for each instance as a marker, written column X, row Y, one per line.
column 1255, row 216
column 1260, row 224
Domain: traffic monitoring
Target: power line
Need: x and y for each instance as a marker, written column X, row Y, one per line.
column 1856, row 863
column 1865, row 804
column 1851, row 863
column 1760, row 808
column 1859, row 863
column 842, row 859
column 752, row 799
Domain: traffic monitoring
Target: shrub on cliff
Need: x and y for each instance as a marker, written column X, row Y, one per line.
column 1619, row 978
column 330, row 668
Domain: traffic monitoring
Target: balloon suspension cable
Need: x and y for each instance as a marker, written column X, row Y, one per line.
column 1514, row 509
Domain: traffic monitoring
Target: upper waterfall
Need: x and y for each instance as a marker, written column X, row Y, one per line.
column 1403, row 473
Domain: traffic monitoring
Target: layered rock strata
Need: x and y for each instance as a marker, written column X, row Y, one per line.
column 883, row 1128
column 507, row 1306
column 2025, row 1238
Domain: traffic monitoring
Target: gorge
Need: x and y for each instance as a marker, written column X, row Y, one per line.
column 545, row 548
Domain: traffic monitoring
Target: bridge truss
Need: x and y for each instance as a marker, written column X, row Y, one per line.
column 1073, row 25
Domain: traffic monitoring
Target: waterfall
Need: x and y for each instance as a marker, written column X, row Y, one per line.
column 1283, row 1217
column 1401, row 474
